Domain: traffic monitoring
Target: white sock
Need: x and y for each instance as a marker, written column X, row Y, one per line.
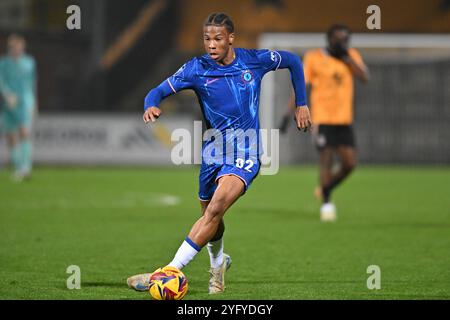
column 185, row 254
column 215, row 249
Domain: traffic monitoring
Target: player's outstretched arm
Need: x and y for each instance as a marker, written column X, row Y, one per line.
column 293, row 63
column 180, row 80
column 153, row 99
column 151, row 114
column 303, row 118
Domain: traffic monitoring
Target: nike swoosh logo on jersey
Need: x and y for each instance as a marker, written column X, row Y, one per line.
column 211, row 81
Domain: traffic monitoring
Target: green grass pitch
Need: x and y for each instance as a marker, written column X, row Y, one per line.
column 114, row 223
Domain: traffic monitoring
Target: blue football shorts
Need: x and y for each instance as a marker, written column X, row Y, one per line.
column 210, row 174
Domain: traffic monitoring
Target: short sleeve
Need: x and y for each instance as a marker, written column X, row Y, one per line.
column 268, row 59
column 183, row 78
column 308, row 67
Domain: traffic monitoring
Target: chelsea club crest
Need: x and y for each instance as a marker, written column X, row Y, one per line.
column 247, row 76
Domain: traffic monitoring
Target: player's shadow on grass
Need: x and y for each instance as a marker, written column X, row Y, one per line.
column 105, row 284
column 253, row 282
column 284, row 213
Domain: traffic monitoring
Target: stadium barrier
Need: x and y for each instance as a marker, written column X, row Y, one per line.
column 101, row 139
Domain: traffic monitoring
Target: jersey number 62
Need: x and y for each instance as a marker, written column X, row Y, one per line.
column 248, row 164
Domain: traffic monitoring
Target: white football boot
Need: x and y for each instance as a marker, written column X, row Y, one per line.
column 139, row 282
column 217, row 276
column 328, row 212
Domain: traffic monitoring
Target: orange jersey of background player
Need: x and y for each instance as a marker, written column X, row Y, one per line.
column 331, row 98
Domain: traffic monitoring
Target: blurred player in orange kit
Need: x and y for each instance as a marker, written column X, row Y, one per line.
column 329, row 76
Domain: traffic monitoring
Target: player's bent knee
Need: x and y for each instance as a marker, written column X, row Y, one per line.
column 349, row 167
column 215, row 212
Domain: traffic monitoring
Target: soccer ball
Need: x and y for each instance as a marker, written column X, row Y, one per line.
column 168, row 283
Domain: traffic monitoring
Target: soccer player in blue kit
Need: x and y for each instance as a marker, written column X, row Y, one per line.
column 227, row 82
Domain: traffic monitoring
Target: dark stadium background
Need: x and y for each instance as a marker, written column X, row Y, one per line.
column 407, row 103
column 80, row 208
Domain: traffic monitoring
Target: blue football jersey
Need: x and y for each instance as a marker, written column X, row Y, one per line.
column 229, row 99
